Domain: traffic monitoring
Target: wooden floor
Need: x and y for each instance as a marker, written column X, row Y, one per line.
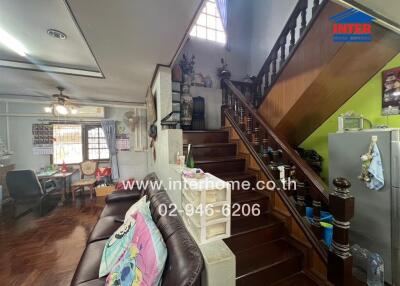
column 45, row 251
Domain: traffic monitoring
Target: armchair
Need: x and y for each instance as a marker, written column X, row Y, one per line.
column 28, row 194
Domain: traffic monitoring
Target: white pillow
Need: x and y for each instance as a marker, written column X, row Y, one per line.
column 140, row 205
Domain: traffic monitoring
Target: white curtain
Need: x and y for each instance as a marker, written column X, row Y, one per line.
column 110, row 133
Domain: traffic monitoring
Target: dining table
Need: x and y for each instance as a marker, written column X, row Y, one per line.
column 64, row 177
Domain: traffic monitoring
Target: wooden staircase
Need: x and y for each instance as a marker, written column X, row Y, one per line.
column 265, row 254
column 305, row 77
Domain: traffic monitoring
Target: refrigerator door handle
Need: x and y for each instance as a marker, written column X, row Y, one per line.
column 395, row 165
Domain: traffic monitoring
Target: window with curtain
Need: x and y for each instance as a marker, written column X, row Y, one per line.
column 67, row 146
column 96, row 147
column 209, row 24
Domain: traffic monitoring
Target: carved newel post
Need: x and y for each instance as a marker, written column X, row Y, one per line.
column 340, row 261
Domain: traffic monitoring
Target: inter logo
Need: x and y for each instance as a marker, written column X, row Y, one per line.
column 352, row 25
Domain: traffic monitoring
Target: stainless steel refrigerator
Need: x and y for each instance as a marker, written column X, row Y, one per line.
column 376, row 224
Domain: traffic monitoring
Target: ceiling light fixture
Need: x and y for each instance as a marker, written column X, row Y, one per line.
column 12, row 43
column 61, row 109
column 62, row 106
column 48, row 109
column 73, row 110
column 56, row 34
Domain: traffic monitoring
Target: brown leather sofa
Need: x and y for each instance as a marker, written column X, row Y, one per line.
column 184, row 262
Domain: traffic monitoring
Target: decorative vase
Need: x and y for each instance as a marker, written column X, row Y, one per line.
column 177, row 74
column 186, row 107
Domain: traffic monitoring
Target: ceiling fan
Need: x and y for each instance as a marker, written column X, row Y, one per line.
column 62, row 104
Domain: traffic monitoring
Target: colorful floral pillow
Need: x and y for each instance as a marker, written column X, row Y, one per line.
column 121, row 238
column 115, row 246
column 142, row 263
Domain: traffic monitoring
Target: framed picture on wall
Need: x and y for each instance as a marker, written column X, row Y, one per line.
column 391, row 92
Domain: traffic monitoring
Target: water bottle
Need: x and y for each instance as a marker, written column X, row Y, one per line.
column 375, row 274
column 360, row 261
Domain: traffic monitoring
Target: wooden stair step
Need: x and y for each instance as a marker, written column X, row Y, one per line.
column 211, row 149
column 238, row 177
column 249, row 224
column 298, row 279
column 206, row 136
column 267, row 263
column 248, row 195
column 219, row 165
column 250, row 198
column 248, row 232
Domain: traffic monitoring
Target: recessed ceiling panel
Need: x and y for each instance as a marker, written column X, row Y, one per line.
column 28, row 22
column 128, row 38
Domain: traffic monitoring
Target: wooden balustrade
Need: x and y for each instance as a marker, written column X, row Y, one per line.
column 257, row 136
column 249, row 90
column 270, row 72
column 272, row 140
column 265, row 147
column 249, row 127
column 301, row 199
column 275, row 156
column 292, row 35
column 303, row 13
column 283, row 51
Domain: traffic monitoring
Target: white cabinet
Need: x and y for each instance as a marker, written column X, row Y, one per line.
column 206, row 207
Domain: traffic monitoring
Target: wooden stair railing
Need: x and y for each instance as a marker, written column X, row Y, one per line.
column 276, row 157
column 285, row 46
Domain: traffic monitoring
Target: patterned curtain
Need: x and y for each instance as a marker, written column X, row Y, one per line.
column 223, row 11
column 110, row 133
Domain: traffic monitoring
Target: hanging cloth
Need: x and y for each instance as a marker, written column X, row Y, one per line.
column 376, row 170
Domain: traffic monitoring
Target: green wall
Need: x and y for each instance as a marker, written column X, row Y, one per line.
column 367, row 101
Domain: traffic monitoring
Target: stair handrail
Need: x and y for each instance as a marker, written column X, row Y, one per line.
column 269, row 72
column 248, row 123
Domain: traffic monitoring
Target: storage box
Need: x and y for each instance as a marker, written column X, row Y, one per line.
column 104, row 190
column 206, row 206
column 325, row 216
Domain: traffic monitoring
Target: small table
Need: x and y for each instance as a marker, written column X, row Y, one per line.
column 65, row 177
column 3, row 173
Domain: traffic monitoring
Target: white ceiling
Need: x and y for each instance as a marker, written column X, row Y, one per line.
column 28, row 22
column 390, row 9
column 127, row 37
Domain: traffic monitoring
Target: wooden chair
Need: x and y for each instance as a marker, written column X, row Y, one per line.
column 87, row 169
